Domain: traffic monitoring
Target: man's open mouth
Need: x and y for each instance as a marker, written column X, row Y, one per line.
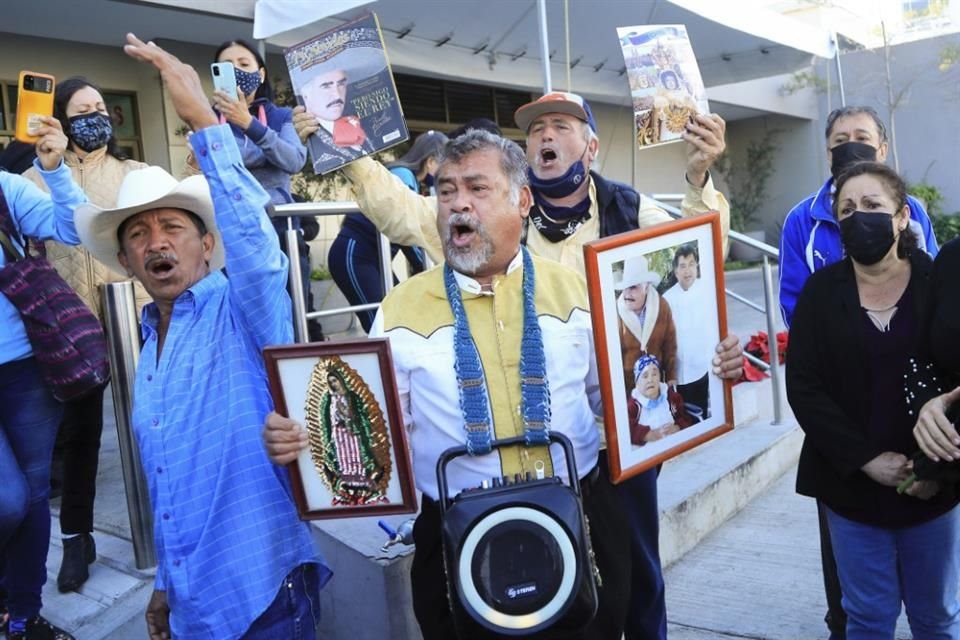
column 547, row 155
column 462, row 231
column 160, row 266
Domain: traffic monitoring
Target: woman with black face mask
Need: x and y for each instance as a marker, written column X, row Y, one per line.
column 856, row 329
column 99, row 168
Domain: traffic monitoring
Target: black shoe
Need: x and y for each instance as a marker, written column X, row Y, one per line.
column 314, row 330
column 39, row 628
column 78, row 552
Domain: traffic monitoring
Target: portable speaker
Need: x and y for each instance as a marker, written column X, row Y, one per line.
column 516, row 552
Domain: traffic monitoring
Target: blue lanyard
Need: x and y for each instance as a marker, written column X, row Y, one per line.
column 534, row 387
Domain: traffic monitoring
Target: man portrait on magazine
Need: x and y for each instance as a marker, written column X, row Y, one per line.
column 343, row 79
column 325, row 94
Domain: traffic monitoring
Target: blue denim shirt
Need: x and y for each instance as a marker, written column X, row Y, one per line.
column 39, row 215
column 225, row 524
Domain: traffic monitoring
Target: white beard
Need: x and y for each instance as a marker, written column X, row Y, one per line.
column 472, row 260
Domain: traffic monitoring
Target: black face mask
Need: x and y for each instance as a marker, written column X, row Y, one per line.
column 867, row 237
column 845, row 155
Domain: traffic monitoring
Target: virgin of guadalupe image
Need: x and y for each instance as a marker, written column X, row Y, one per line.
column 348, row 435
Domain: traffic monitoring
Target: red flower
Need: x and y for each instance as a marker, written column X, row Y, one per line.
column 759, row 346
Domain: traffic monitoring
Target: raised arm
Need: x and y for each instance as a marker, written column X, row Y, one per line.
column 405, row 217
column 42, row 215
column 705, row 137
column 257, row 268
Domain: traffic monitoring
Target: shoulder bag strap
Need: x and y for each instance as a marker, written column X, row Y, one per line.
column 6, row 228
column 12, row 254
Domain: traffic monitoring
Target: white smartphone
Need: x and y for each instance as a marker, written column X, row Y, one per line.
column 224, row 79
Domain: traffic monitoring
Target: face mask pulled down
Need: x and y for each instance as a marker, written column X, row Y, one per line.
column 561, row 186
column 867, row 237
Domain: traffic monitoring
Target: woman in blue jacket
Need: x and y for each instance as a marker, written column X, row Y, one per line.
column 268, row 142
column 265, row 135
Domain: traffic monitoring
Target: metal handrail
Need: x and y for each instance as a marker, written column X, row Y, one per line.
column 300, row 313
column 341, row 208
column 769, row 307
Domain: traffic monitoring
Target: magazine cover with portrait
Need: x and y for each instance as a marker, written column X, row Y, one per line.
column 342, row 76
column 344, row 394
column 665, row 84
column 657, row 304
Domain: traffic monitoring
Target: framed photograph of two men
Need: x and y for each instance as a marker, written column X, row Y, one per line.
column 345, row 395
column 658, row 307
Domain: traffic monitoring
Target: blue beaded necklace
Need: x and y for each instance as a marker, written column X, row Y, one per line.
column 534, row 387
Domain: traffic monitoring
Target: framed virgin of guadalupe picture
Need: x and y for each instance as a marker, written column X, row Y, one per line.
column 658, row 309
column 345, row 395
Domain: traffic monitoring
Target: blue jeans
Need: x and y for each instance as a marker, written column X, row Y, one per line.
column 295, row 612
column 647, row 614
column 28, row 428
column 880, row 568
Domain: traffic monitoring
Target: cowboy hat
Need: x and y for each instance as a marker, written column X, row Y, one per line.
column 144, row 190
column 357, row 62
column 635, row 271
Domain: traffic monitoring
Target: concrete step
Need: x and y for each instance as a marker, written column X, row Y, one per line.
column 701, row 489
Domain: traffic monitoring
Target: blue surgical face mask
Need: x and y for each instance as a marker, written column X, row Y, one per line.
column 561, row 186
column 247, row 81
column 90, row 131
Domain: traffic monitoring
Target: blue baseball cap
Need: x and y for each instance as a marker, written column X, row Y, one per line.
column 555, row 102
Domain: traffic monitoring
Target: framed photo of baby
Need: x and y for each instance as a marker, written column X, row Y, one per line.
column 658, row 308
column 345, row 395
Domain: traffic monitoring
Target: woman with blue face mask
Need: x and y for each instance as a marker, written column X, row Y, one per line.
column 268, row 142
column 98, row 167
column 856, row 332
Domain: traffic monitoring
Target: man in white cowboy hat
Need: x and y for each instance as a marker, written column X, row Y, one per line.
column 324, row 92
column 233, row 557
column 646, row 322
column 571, row 205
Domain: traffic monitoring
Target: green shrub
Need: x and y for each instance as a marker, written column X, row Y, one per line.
column 931, row 197
column 946, row 227
column 320, row 273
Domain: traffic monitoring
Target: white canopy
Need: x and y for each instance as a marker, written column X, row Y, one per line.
column 497, row 41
